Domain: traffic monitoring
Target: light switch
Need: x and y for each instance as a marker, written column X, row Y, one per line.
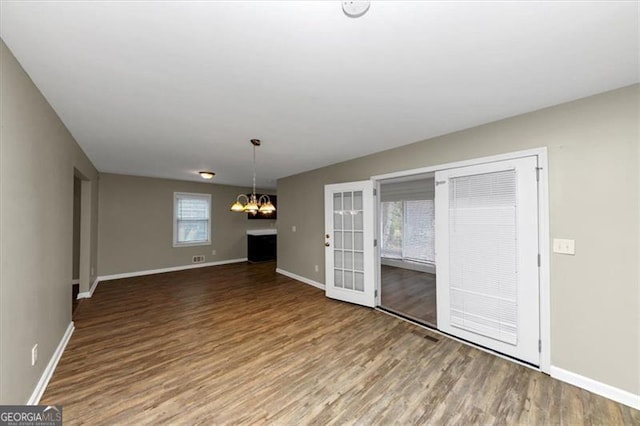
column 562, row 246
column 293, row 228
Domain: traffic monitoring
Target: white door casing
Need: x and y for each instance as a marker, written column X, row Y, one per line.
column 487, row 256
column 349, row 242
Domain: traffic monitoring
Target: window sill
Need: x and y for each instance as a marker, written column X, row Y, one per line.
column 204, row 243
column 405, row 264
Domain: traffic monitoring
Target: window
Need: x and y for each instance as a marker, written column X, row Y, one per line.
column 418, row 240
column 392, row 225
column 191, row 219
column 408, row 230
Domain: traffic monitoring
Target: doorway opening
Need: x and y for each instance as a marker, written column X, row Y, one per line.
column 82, row 267
column 75, row 267
column 407, row 248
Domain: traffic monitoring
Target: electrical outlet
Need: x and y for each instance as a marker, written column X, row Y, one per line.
column 34, row 354
column 317, row 269
column 198, row 259
column 213, row 252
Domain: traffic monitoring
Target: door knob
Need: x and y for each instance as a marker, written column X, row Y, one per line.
column 327, row 244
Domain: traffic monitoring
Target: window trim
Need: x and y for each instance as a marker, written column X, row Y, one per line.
column 176, row 195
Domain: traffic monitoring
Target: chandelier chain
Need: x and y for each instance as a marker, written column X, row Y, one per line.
column 254, row 170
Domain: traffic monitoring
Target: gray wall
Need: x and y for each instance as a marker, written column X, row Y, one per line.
column 593, row 174
column 136, row 224
column 38, row 157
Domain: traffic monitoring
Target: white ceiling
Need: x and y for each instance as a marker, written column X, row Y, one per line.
column 166, row 89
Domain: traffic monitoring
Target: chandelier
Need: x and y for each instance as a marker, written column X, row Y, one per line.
column 253, row 204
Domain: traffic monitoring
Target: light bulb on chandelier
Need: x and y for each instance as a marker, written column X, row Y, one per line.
column 252, row 203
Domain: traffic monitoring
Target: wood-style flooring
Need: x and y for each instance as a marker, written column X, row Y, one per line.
column 240, row 344
column 409, row 293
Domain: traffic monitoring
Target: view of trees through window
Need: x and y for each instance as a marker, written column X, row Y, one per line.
column 392, row 225
column 408, row 231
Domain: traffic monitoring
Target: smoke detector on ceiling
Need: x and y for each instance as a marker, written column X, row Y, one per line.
column 355, row 9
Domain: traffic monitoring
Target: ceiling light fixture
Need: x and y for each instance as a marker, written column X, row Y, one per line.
column 253, row 204
column 355, row 9
column 206, row 175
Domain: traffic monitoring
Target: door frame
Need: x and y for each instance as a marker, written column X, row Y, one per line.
column 543, row 232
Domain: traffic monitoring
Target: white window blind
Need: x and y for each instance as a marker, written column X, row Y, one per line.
column 483, row 255
column 191, row 219
column 408, row 230
column 419, row 241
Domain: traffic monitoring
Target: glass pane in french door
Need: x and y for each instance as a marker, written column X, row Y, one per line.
column 348, row 265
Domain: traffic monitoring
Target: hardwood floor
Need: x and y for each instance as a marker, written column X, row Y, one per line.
column 241, row 344
column 409, row 293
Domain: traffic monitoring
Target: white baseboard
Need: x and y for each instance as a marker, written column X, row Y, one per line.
column 170, row 269
column 88, row 294
column 599, row 388
column 413, row 266
column 51, row 367
column 101, row 278
column 300, row 278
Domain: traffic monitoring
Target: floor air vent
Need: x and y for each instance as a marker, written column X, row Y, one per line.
column 425, row 336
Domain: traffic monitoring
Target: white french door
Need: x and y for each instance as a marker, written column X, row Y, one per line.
column 487, row 256
column 349, row 242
